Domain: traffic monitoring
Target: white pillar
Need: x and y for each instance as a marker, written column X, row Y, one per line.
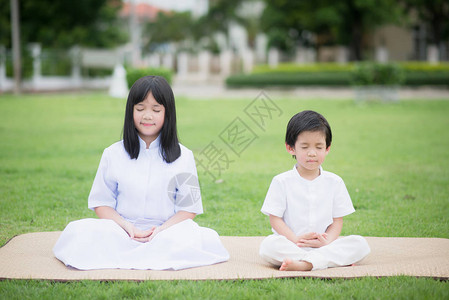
column 432, row 54
column 183, row 64
column 225, row 63
column 119, row 85
column 36, row 50
column 342, row 54
column 300, row 55
column 168, row 61
column 154, row 60
column 204, row 64
column 310, row 55
column 238, row 37
column 2, row 67
column 261, row 48
column 248, row 61
column 381, row 54
column 273, row 57
column 75, row 54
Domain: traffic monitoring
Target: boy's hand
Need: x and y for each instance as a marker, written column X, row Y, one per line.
column 313, row 240
column 308, row 236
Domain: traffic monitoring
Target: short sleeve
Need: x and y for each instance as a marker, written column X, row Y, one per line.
column 186, row 187
column 104, row 188
column 276, row 200
column 342, row 201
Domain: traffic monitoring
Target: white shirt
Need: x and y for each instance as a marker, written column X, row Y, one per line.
column 146, row 191
column 307, row 205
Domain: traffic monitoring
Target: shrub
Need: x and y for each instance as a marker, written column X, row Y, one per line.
column 133, row 74
column 97, row 72
column 420, row 78
column 377, row 74
column 332, row 74
column 55, row 62
column 26, row 68
column 337, row 67
column 419, row 66
column 290, row 79
column 300, row 68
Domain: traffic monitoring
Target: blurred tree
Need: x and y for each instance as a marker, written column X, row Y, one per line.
column 181, row 26
column 344, row 22
column 168, row 27
column 434, row 14
column 64, row 23
column 221, row 13
column 282, row 21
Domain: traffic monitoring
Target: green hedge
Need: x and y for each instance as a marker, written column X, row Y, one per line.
column 132, row 75
column 336, row 67
column 424, row 66
column 377, row 74
column 290, row 79
column 418, row 78
column 300, row 68
column 330, row 74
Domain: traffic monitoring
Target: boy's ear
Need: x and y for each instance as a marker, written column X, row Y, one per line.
column 328, row 149
column 290, row 149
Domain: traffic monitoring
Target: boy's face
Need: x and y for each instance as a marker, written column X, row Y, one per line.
column 310, row 151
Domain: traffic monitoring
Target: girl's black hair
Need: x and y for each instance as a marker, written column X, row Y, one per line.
column 162, row 92
column 307, row 120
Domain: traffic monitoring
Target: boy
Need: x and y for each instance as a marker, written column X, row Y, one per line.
column 306, row 205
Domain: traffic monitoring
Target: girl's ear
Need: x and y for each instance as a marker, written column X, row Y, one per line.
column 290, row 149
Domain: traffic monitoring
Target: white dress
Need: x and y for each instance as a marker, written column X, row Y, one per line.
column 145, row 191
column 310, row 206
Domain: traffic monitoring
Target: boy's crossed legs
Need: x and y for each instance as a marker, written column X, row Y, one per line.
column 279, row 251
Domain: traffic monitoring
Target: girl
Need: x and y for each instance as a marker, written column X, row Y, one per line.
column 146, row 194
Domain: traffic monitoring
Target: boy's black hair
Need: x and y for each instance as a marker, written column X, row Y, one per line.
column 307, row 120
column 162, row 92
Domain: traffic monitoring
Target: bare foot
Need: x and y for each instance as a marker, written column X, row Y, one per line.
column 295, row 265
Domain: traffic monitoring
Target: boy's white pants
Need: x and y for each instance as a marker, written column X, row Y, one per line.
column 343, row 251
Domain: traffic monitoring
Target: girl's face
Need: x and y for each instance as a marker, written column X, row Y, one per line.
column 149, row 118
column 310, row 151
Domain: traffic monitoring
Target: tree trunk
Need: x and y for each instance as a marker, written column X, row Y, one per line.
column 356, row 42
column 17, row 58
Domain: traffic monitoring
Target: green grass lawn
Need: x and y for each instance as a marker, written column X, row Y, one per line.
column 394, row 159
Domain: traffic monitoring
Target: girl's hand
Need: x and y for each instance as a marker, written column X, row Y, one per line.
column 129, row 228
column 147, row 235
column 136, row 233
column 156, row 230
column 313, row 240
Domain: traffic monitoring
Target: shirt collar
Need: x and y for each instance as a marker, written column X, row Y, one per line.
column 296, row 171
column 153, row 145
